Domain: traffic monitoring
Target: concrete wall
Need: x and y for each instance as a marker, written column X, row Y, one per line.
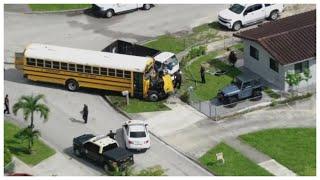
column 262, row 67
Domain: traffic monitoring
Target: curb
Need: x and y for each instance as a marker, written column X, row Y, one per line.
column 73, row 11
column 157, row 137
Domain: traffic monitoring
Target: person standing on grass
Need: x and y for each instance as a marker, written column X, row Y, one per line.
column 6, row 104
column 85, row 113
column 202, row 74
column 177, row 79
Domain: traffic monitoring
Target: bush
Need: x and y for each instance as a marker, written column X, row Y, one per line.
column 7, row 156
column 185, row 97
column 271, row 93
column 197, row 51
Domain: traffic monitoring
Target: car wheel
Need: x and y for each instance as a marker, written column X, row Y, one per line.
column 236, row 26
column 146, row 6
column 109, row 13
column 72, row 85
column 77, row 152
column 153, row 96
column 232, row 102
column 274, row 15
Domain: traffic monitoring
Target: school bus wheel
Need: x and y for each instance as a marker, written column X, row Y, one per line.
column 153, row 96
column 72, row 85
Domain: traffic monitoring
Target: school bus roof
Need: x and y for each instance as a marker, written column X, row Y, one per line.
column 87, row 57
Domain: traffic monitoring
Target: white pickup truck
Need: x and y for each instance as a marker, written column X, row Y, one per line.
column 239, row 15
column 108, row 10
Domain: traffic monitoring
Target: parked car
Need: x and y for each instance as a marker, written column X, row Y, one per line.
column 108, row 10
column 239, row 15
column 103, row 150
column 136, row 135
column 243, row 87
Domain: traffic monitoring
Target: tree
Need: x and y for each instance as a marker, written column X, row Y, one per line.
column 293, row 79
column 232, row 58
column 29, row 105
column 28, row 134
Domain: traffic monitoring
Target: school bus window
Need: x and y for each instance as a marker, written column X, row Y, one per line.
column 87, row 69
column 47, row 64
column 104, row 71
column 119, row 73
column 31, row 61
column 39, row 62
column 64, row 66
column 56, row 65
column 112, row 72
column 72, row 67
column 127, row 74
column 79, row 68
column 95, row 70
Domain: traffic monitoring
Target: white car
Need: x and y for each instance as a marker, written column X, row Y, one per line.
column 136, row 135
column 239, row 15
column 108, row 10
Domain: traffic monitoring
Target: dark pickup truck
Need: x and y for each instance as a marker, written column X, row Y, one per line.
column 163, row 60
column 103, row 150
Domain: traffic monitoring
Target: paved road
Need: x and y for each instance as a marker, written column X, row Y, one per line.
column 84, row 31
column 65, row 122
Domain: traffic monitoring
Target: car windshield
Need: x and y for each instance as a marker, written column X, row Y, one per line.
column 171, row 62
column 237, row 8
column 238, row 83
column 138, row 134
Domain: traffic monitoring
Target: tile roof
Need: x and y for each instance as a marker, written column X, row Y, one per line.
column 288, row 40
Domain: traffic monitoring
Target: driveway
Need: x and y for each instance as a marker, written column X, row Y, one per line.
column 85, row 31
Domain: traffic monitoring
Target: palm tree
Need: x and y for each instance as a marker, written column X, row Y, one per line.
column 28, row 134
column 29, row 105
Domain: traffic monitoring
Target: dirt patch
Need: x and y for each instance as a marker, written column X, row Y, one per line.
column 293, row 9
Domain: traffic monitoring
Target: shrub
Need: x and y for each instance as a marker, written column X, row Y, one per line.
column 185, row 97
column 271, row 93
column 197, row 51
column 7, row 156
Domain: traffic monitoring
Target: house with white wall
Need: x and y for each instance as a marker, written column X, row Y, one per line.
column 276, row 48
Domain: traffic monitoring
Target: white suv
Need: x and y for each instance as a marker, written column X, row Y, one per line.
column 136, row 135
column 108, row 10
column 239, row 15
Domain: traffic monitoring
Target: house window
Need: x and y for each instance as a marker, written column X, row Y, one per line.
column 300, row 67
column 274, row 65
column 254, row 53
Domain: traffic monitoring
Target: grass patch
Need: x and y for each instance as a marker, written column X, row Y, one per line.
column 235, row 163
column 137, row 105
column 19, row 148
column 295, row 148
column 57, row 7
column 271, row 93
column 213, row 83
column 239, row 47
column 176, row 43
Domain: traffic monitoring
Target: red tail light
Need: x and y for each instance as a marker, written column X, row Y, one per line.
column 130, row 142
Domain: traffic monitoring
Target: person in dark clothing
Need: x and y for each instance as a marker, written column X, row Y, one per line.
column 111, row 134
column 202, row 74
column 85, row 113
column 6, row 104
column 177, row 79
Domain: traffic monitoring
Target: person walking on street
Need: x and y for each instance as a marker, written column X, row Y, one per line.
column 85, row 113
column 6, row 104
column 111, row 134
column 177, row 79
column 202, row 74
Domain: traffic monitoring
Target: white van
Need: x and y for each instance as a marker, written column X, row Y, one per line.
column 108, row 10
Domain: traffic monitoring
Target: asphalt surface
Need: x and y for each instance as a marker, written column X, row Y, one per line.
column 88, row 32
column 85, row 31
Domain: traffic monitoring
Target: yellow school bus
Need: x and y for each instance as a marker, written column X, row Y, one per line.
column 76, row 68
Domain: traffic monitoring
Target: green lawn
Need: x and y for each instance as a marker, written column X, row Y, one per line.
column 235, row 163
column 213, row 83
column 271, row 93
column 57, row 7
column 176, row 43
column 294, row 148
column 19, row 148
column 137, row 105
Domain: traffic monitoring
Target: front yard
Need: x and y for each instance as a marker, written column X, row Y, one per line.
column 213, row 83
column 235, row 163
column 19, row 148
column 57, row 7
column 294, row 148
